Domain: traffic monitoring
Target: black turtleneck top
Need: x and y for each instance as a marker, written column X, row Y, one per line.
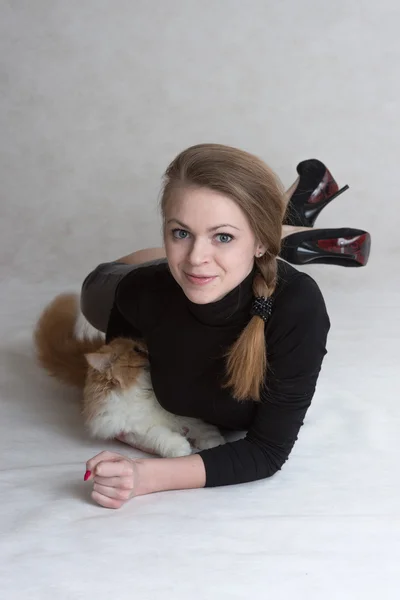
column 186, row 342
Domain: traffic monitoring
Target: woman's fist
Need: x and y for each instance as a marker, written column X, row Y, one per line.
column 115, row 478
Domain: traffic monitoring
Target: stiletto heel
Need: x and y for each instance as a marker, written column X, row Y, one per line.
column 345, row 247
column 316, row 189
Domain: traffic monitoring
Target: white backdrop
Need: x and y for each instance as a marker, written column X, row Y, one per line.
column 97, row 97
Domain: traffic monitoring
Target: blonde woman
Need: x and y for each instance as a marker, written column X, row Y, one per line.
column 236, row 335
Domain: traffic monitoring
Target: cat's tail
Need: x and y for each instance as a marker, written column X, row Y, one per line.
column 62, row 337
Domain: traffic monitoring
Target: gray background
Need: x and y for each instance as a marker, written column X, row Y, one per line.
column 97, row 97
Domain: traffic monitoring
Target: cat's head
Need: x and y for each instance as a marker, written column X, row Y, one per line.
column 118, row 363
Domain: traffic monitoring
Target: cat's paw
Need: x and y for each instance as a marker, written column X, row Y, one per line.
column 132, row 440
column 177, row 446
column 208, row 439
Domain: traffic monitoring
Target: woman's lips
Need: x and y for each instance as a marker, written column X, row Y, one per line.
column 198, row 280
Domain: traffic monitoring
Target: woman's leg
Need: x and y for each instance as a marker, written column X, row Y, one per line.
column 290, row 191
column 98, row 289
column 142, row 256
column 289, row 229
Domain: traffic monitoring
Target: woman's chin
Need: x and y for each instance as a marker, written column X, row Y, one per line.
column 202, row 295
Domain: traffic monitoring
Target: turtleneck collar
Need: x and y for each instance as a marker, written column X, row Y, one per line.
column 233, row 308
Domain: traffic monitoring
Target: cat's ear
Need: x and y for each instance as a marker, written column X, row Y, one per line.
column 99, row 360
column 140, row 347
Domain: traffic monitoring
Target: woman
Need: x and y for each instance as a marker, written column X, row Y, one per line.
column 235, row 336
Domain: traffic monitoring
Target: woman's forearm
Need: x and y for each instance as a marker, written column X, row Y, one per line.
column 162, row 474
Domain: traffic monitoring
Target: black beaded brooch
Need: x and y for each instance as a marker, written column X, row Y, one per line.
column 262, row 307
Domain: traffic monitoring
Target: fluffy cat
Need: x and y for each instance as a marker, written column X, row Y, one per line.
column 118, row 398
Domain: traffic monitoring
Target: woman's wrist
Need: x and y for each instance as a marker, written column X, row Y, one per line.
column 162, row 474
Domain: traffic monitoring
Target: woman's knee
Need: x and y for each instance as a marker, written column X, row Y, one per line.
column 98, row 292
column 99, row 287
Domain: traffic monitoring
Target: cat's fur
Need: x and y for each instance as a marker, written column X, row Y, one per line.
column 118, row 398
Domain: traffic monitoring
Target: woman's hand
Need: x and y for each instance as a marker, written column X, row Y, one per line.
column 115, row 478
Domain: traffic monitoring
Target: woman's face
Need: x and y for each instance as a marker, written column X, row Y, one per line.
column 209, row 244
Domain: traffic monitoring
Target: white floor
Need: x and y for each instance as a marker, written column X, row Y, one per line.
column 99, row 98
column 326, row 526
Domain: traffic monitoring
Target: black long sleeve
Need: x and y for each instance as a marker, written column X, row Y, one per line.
column 297, row 336
column 186, row 343
column 118, row 326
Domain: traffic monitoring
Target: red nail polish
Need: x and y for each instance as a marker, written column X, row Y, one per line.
column 87, row 475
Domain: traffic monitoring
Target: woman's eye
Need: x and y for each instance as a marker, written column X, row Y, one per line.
column 177, row 234
column 223, row 237
column 182, row 234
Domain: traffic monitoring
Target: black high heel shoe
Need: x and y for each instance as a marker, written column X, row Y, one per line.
column 345, row 247
column 316, row 188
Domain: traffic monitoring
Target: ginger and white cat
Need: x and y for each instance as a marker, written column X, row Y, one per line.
column 118, row 397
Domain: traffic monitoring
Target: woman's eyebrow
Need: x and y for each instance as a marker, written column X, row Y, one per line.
column 209, row 229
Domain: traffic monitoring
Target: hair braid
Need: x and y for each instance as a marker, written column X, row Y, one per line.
column 246, row 363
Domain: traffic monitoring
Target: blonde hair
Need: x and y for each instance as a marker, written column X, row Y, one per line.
column 255, row 188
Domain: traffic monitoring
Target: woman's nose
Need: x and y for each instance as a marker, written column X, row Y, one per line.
column 199, row 252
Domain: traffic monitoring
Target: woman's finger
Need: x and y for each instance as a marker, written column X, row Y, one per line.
column 112, row 492
column 105, row 501
column 124, row 483
column 114, row 468
column 105, row 455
